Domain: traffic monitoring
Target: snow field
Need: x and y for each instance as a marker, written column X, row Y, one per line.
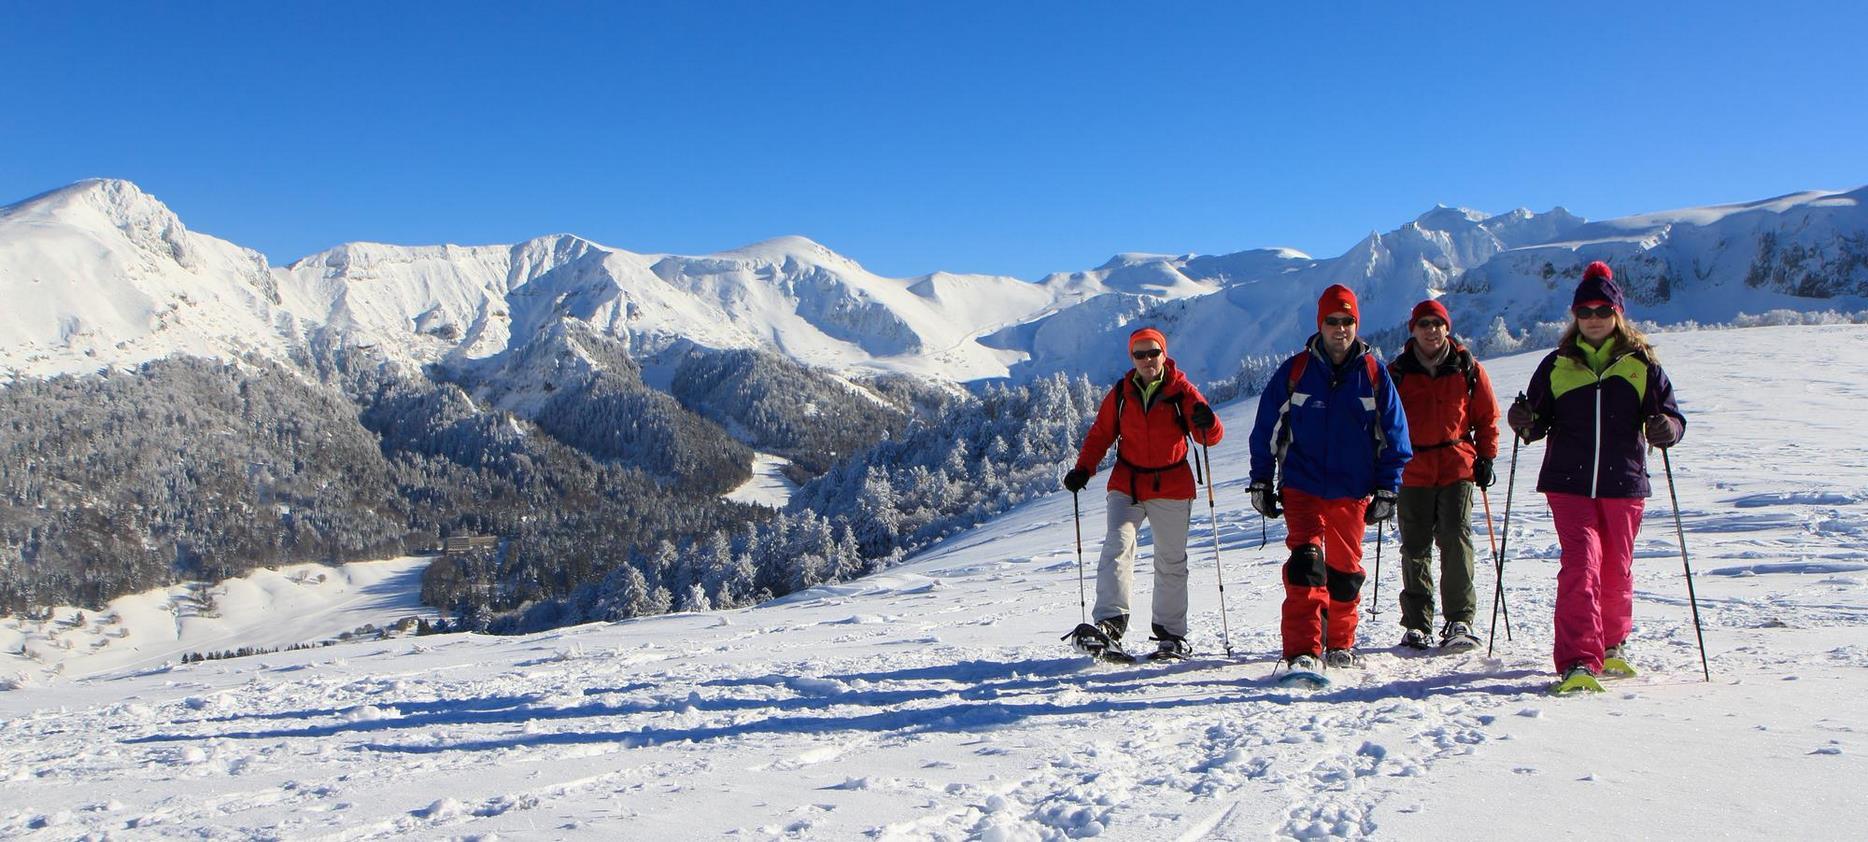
column 934, row 701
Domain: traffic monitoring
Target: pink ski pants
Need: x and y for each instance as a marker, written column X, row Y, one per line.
column 1595, row 585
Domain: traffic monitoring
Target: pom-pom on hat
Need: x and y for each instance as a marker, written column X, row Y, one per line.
column 1598, row 287
column 1337, row 300
column 1427, row 308
column 1145, row 334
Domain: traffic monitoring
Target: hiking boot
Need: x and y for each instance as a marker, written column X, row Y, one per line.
column 1342, row 658
column 1172, row 647
column 1303, row 663
column 1415, row 639
column 1458, row 635
column 1113, row 627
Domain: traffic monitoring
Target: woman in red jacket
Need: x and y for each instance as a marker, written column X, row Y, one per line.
column 1149, row 417
column 1452, row 418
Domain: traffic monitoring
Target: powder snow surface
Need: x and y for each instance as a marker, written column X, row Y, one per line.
column 935, row 701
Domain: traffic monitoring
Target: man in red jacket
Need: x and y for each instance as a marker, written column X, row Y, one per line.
column 1149, row 416
column 1453, row 421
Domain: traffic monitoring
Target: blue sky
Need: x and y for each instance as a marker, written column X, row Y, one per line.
column 1010, row 138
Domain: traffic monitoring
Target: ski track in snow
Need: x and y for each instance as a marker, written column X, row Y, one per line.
column 934, row 701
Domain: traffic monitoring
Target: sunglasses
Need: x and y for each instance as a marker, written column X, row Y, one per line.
column 1149, row 354
column 1602, row 312
column 1338, row 321
column 1430, row 323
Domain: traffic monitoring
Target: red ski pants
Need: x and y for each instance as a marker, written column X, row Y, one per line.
column 1595, row 584
column 1321, row 596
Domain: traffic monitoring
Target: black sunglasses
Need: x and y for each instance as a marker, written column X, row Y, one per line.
column 1602, row 312
column 1149, row 354
column 1338, row 321
column 1430, row 322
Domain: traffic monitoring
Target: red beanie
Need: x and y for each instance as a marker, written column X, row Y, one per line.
column 1336, row 300
column 1430, row 307
column 1146, row 334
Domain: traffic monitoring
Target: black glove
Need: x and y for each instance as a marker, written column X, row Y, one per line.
column 1661, row 432
column 1482, row 475
column 1076, row 479
column 1520, row 418
column 1381, row 508
column 1202, row 416
column 1265, row 500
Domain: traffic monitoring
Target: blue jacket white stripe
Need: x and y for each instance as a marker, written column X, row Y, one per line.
column 1334, row 428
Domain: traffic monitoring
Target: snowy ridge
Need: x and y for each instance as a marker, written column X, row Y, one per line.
column 103, row 275
column 935, row 701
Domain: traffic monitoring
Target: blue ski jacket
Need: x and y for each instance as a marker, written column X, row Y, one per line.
column 1338, row 433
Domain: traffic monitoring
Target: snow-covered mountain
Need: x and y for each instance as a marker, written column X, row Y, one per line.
column 101, row 274
column 1500, row 276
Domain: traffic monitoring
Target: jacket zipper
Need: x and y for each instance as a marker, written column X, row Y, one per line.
column 1595, row 468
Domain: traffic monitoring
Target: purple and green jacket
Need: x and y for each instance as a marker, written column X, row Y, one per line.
column 1594, row 406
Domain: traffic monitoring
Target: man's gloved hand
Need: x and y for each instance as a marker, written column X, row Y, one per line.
column 1482, row 475
column 1520, row 418
column 1076, row 479
column 1381, row 508
column 1202, row 416
column 1661, row 432
column 1265, row 500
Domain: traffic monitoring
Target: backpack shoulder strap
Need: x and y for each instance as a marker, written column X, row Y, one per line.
column 1298, row 364
column 1122, row 396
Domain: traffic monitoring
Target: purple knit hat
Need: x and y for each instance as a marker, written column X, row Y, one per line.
column 1598, row 286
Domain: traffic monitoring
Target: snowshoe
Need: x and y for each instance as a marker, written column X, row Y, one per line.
column 1615, row 663
column 1576, row 679
column 1343, row 659
column 1092, row 641
column 1415, row 639
column 1169, row 646
column 1303, row 671
column 1171, row 649
column 1458, row 637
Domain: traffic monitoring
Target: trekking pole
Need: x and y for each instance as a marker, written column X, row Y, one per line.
column 1504, row 545
column 1225, row 634
column 1375, row 602
column 1083, row 605
column 1680, row 531
column 1498, row 567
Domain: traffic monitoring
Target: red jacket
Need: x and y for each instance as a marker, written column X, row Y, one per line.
column 1451, row 415
column 1151, row 457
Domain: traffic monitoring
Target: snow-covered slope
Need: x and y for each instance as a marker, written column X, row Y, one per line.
column 935, row 701
column 265, row 609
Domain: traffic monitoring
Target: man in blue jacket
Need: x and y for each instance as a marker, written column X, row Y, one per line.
column 1332, row 433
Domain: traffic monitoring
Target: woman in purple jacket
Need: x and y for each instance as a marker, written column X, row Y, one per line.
column 1602, row 399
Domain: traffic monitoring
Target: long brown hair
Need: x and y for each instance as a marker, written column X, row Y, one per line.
column 1625, row 336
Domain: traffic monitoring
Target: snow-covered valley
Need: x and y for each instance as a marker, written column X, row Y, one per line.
column 934, row 700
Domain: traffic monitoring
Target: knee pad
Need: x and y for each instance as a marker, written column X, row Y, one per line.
column 1345, row 586
column 1305, row 569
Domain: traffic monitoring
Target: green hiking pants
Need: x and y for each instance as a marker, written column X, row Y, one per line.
column 1442, row 516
